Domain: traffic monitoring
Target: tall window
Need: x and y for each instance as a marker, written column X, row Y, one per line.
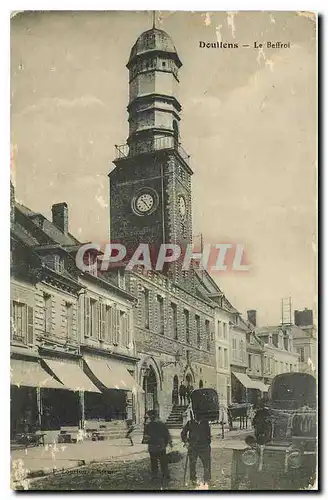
column 197, row 321
column 225, row 351
column 123, row 328
column 147, row 310
column 290, row 368
column 301, row 353
column 219, row 330
column 220, row 357
column 102, row 322
column 93, row 318
column 22, row 323
column 160, row 302
column 174, row 312
column 225, row 331
column 250, row 361
column 187, row 325
column 47, row 312
column 241, row 350
column 208, row 334
column 69, row 319
column 234, row 348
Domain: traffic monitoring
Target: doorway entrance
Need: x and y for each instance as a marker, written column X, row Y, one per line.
column 175, row 390
column 150, row 388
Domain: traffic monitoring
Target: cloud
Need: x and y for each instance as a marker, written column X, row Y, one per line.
column 57, row 102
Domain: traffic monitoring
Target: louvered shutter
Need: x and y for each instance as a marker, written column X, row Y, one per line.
column 102, row 321
column 109, row 324
column 30, row 326
column 97, row 320
column 114, row 326
column 118, row 327
column 128, row 328
column 87, row 321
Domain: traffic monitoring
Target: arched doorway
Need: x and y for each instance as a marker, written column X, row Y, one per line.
column 188, row 379
column 149, row 385
column 201, row 384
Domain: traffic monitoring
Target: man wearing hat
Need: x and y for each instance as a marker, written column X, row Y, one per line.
column 157, row 436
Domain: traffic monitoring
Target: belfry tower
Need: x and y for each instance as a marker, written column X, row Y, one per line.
column 150, row 186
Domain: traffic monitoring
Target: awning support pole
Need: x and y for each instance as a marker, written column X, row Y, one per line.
column 81, row 400
column 39, row 406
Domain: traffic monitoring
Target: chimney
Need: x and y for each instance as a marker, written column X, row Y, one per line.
column 60, row 216
column 251, row 316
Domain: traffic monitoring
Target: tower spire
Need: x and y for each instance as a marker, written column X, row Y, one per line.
column 154, row 22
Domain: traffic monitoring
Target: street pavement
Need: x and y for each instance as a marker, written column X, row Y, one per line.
column 89, row 463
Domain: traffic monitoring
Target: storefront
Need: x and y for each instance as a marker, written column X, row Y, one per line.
column 247, row 390
column 119, row 390
column 65, row 407
column 28, row 381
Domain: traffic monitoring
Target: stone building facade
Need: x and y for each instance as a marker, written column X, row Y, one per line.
column 73, row 356
column 280, row 355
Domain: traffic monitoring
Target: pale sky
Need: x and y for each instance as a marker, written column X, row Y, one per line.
column 248, row 122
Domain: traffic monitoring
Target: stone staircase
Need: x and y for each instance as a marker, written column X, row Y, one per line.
column 175, row 419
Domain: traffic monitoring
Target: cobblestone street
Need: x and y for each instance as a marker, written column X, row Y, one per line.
column 134, row 475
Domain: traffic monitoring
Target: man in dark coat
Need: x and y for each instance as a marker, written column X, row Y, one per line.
column 197, row 435
column 157, row 436
column 182, row 394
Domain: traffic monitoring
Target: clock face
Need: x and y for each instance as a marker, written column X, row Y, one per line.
column 144, row 203
column 182, row 206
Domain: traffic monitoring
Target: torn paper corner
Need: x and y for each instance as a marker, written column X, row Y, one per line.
column 309, row 15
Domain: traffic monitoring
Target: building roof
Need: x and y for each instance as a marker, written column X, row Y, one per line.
column 48, row 227
column 154, row 40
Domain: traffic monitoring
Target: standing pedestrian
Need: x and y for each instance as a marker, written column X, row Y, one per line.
column 196, row 434
column 182, row 394
column 130, row 429
column 175, row 396
column 157, row 436
column 189, row 390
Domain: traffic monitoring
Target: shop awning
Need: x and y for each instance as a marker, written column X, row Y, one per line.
column 31, row 374
column 112, row 374
column 262, row 387
column 248, row 383
column 125, row 379
column 71, row 375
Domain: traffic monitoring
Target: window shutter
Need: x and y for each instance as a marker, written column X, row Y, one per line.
column 30, row 326
column 114, row 325
column 87, row 316
column 118, row 327
column 109, row 311
column 97, row 320
column 128, row 328
column 102, row 321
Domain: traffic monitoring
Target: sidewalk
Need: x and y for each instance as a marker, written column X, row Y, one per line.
column 39, row 461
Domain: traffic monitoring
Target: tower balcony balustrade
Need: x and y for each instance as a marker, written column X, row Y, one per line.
column 146, row 146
